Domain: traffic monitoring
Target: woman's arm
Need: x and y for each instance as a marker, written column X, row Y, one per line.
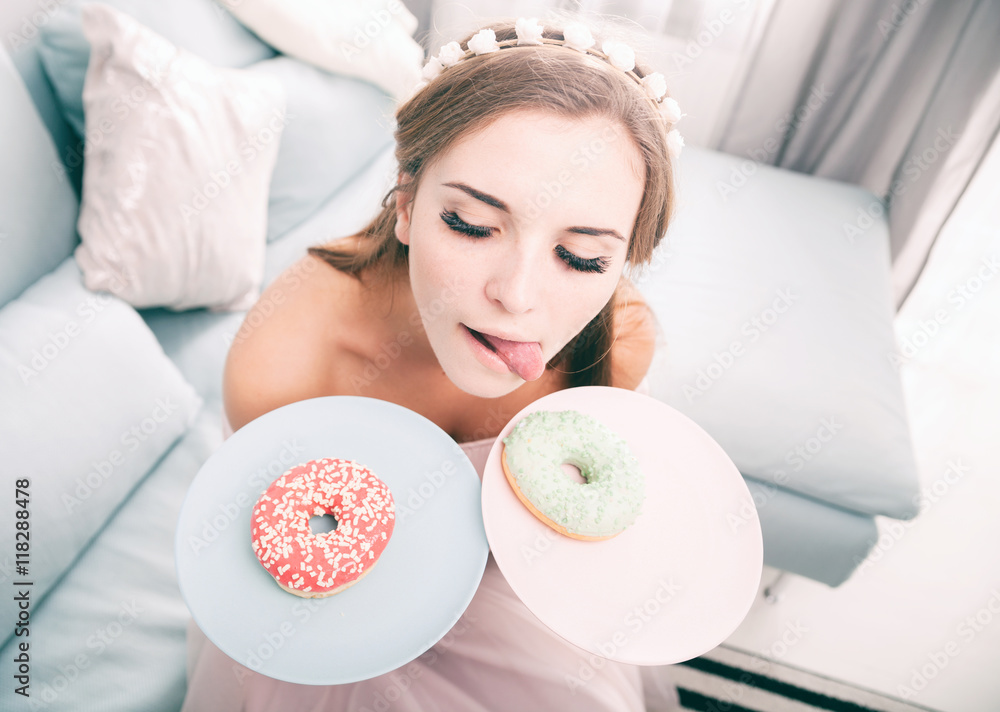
column 635, row 326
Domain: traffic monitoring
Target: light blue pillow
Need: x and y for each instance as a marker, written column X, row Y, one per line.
column 37, row 204
column 336, row 125
column 90, row 404
column 777, row 331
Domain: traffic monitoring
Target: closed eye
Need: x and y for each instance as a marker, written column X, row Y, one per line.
column 597, row 264
column 580, row 264
column 451, row 219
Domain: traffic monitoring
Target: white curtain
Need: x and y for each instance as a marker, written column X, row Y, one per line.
column 899, row 96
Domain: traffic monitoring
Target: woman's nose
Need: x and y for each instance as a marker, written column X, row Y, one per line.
column 516, row 278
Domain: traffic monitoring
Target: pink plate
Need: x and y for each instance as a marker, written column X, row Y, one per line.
column 673, row 585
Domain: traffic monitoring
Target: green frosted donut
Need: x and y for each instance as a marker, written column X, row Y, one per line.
column 609, row 500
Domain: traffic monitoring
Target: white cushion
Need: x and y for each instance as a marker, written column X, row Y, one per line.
column 174, row 206
column 368, row 39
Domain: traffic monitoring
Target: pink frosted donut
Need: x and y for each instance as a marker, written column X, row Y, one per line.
column 317, row 565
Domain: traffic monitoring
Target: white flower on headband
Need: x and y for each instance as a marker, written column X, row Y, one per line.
column 577, row 36
column 670, row 110
column 529, row 32
column 675, row 142
column 432, row 68
column 655, row 85
column 619, row 54
column 450, row 54
column 484, row 42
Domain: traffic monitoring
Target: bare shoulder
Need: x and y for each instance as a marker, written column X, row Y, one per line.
column 635, row 342
column 277, row 356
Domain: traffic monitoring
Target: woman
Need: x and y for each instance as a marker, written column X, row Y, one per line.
column 529, row 176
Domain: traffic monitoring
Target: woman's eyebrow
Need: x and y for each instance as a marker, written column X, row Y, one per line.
column 480, row 195
column 596, row 231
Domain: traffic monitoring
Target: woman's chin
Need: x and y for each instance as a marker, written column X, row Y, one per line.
column 481, row 382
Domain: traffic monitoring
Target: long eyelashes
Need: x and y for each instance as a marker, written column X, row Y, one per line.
column 457, row 224
column 597, row 264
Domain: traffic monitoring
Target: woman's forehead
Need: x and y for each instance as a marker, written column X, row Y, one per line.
column 534, row 160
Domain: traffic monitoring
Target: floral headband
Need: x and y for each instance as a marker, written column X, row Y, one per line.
column 577, row 36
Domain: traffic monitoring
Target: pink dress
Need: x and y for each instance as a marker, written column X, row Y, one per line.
column 497, row 657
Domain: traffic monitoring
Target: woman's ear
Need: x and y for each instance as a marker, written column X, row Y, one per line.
column 404, row 204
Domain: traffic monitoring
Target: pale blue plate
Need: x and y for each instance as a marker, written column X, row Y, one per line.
column 416, row 592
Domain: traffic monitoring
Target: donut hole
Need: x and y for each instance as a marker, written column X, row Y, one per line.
column 573, row 473
column 322, row 523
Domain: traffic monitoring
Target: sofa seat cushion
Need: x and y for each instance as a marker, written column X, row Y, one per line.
column 91, row 404
column 772, row 291
column 112, row 633
column 807, row 537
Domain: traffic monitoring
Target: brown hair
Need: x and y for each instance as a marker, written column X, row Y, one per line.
column 478, row 90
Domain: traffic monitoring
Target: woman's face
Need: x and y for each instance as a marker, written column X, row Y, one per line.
column 517, row 238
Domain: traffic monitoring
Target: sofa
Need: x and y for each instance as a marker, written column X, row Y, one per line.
column 771, row 292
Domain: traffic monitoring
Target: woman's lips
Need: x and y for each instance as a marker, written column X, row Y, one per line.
column 523, row 358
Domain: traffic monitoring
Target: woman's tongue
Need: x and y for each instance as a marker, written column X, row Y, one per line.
column 522, row 357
